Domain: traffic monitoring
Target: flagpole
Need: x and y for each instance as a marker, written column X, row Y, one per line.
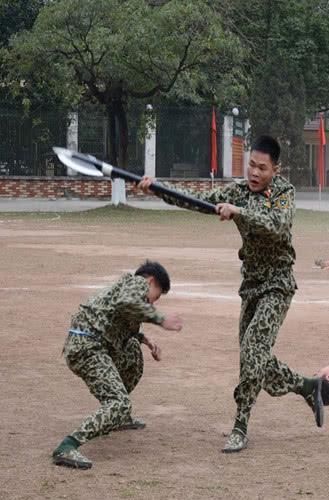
column 213, row 147
column 321, row 158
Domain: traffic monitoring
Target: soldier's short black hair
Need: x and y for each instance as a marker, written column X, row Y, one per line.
column 268, row 145
column 156, row 270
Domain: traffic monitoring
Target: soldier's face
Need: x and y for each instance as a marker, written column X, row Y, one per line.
column 261, row 171
column 155, row 290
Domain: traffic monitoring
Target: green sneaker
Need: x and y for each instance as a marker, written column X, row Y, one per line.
column 71, row 458
column 236, row 442
column 132, row 424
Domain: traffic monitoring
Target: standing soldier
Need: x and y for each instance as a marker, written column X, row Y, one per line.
column 262, row 207
column 103, row 348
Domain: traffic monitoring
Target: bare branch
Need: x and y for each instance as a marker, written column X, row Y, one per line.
column 172, row 82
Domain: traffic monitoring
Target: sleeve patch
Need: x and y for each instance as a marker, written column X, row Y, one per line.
column 283, row 202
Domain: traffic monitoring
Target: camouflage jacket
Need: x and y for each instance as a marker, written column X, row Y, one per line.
column 265, row 224
column 116, row 313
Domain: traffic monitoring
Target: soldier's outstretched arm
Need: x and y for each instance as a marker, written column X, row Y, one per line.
column 225, row 194
column 143, row 312
column 134, row 308
column 131, row 305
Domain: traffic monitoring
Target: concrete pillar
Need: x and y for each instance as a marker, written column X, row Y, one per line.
column 72, row 141
column 150, row 148
column 118, row 192
column 227, row 146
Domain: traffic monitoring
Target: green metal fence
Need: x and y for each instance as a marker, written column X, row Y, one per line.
column 26, row 143
column 92, row 133
column 183, row 141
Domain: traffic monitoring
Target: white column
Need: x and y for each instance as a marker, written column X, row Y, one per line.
column 72, row 137
column 150, row 149
column 227, row 146
column 118, row 192
column 246, row 153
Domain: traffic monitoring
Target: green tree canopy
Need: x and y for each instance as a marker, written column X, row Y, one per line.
column 113, row 51
column 16, row 16
column 286, row 66
column 294, row 32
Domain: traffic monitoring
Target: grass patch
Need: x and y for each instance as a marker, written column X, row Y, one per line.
column 131, row 216
column 128, row 215
column 123, row 214
column 311, row 220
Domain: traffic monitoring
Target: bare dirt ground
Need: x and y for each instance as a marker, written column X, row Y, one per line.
column 50, row 264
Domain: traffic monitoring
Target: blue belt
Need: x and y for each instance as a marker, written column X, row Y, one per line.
column 81, row 333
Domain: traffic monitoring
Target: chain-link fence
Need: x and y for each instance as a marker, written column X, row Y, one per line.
column 183, row 141
column 93, row 137
column 26, row 143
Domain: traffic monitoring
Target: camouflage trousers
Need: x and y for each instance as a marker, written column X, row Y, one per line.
column 110, row 377
column 260, row 321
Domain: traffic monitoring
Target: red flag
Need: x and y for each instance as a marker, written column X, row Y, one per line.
column 322, row 143
column 213, row 144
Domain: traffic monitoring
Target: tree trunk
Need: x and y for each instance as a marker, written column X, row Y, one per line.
column 118, row 134
column 123, row 134
column 112, row 131
column 118, row 147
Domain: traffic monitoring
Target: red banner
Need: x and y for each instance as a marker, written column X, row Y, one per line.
column 321, row 162
column 213, row 144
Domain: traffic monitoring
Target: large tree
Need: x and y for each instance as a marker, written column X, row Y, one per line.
column 286, row 66
column 294, row 32
column 114, row 51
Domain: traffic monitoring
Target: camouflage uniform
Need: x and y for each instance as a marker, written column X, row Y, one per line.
column 267, row 287
column 103, row 348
